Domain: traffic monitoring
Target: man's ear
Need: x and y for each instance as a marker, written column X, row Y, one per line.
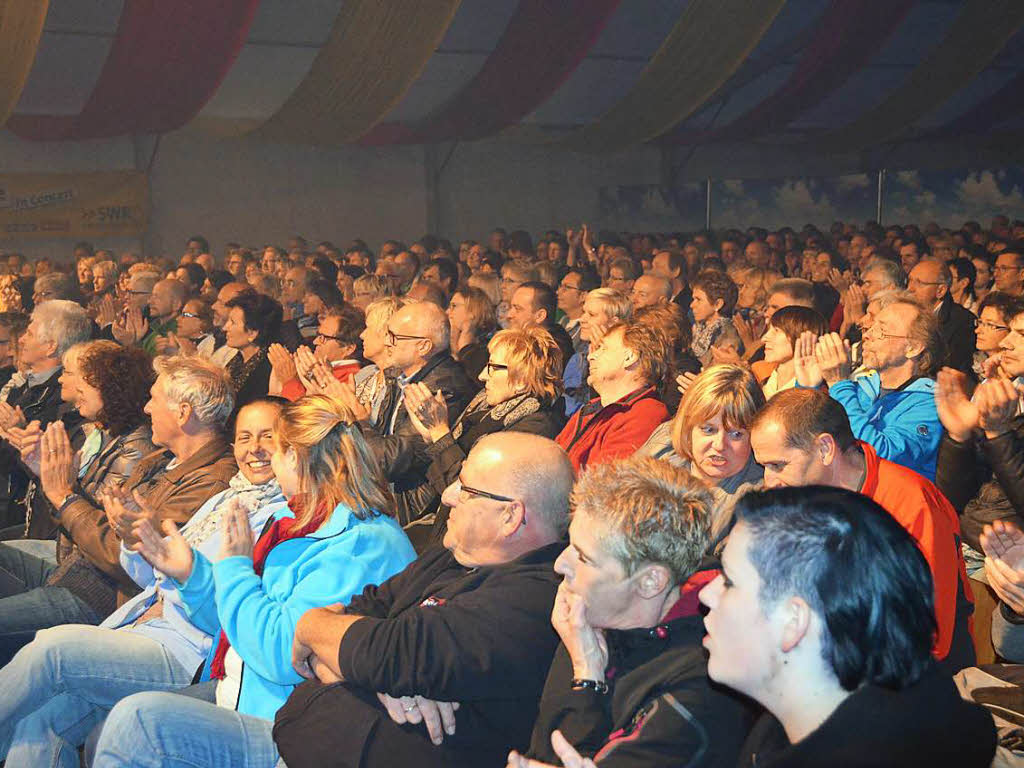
column 182, row 413
column 652, row 580
column 796, row 621
column 825, row 448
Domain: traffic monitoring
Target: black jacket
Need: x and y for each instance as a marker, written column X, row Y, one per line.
column 661, row 708
column 395, row 441
column 563, row 340
column 956, row 327
column 927, row 724
column 522, row 414
column 478, row 636
column 983, row 479
column 41, row 403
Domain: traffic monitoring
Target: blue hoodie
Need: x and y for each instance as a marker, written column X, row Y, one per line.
column 902, row 427
column 259, row 614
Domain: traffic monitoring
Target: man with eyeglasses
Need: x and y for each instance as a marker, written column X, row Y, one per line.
column 930, row 282
column 417, row 337
column 890, row 401
column 981, row 457
column 572, row 292
column 443, row 664
column 1008, row 273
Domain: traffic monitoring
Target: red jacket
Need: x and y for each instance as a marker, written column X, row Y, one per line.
column 294, row 389
column 927, row 515
column 595, row 434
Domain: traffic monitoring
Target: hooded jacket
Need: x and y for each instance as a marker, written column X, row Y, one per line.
column 926, row 724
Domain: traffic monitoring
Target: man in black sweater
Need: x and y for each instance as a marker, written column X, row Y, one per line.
column 443, row 664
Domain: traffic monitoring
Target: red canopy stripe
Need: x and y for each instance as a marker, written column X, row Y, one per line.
column 541, row 46
column 166, row 61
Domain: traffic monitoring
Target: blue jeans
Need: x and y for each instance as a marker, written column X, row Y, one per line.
column 164, row 730
column 26, row 604
column 58, row 687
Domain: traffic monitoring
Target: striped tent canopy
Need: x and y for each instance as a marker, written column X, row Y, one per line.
column 875, row 82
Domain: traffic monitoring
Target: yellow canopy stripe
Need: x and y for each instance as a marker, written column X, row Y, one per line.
column 21, row 24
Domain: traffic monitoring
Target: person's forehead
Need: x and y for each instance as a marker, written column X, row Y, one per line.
column 1017, row 324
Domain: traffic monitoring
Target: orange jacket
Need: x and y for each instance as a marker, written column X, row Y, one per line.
column 927, row 515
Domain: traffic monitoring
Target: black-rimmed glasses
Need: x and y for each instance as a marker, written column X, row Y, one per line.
column 492, row 367
column 485, row 494
column 392, row 337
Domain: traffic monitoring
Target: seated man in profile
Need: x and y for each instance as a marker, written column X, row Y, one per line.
column 628, row 685
column 803, row 437
column 459, row 642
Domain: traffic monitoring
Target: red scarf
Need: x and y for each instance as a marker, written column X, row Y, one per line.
column 281, row 530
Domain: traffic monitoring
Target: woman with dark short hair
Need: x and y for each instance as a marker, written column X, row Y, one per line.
column 253, row 322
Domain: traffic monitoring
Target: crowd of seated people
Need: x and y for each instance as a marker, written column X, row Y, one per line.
column 589, row 499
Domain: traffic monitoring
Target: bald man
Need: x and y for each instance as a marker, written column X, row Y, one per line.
column 467, row 622
column 165, row 303
column 650, row 291
column 930, row 282
column 417, row 338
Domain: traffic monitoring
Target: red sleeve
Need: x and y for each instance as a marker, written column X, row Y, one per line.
column 292, row 390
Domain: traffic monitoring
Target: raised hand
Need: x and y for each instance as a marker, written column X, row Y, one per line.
column 957, row 413
column 58, row 463
column 998, row 401
column 1003, row 543
column 11, row 417
column 123, row 511
column 182, row 344
column 833, row 355
column 282, row 363
column 726, row 354
column 805, row 362
column 170, row 553
column 106, row 312
column 28, row 441
column 427, row 410
column 236, row 533
column 683, row 382
column 305, row 361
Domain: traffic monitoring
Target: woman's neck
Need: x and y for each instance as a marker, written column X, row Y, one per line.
column 248, row 351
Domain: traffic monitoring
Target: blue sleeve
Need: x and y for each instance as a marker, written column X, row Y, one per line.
column 910, row 438
column 137, row 567
column 261, row 626
column 197, row 595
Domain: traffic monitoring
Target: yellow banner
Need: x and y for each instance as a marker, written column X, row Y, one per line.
column 78, row 205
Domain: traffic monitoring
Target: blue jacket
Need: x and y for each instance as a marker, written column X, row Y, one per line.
column 259, row 614
column 184, row 641
column 902, row 427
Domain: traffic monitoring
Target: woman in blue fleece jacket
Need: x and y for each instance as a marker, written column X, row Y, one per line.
column 332, row 542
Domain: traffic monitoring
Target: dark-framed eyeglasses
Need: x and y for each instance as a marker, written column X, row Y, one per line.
column 492, row 367
column 138, row 293
column 991, row 326
column 568, row 287
column 323, row 338
column 485, row 494
column 392, row 337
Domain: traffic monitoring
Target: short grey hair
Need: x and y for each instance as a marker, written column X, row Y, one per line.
column 144, row 281
column 891, row 271
column 201, row 384
column 63, row 323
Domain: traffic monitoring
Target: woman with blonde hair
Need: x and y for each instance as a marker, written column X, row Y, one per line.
column 331, row 540
column 473, row 320
column 522, row 388
column 710, row 437
column 366, row 289
column 368, row 382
